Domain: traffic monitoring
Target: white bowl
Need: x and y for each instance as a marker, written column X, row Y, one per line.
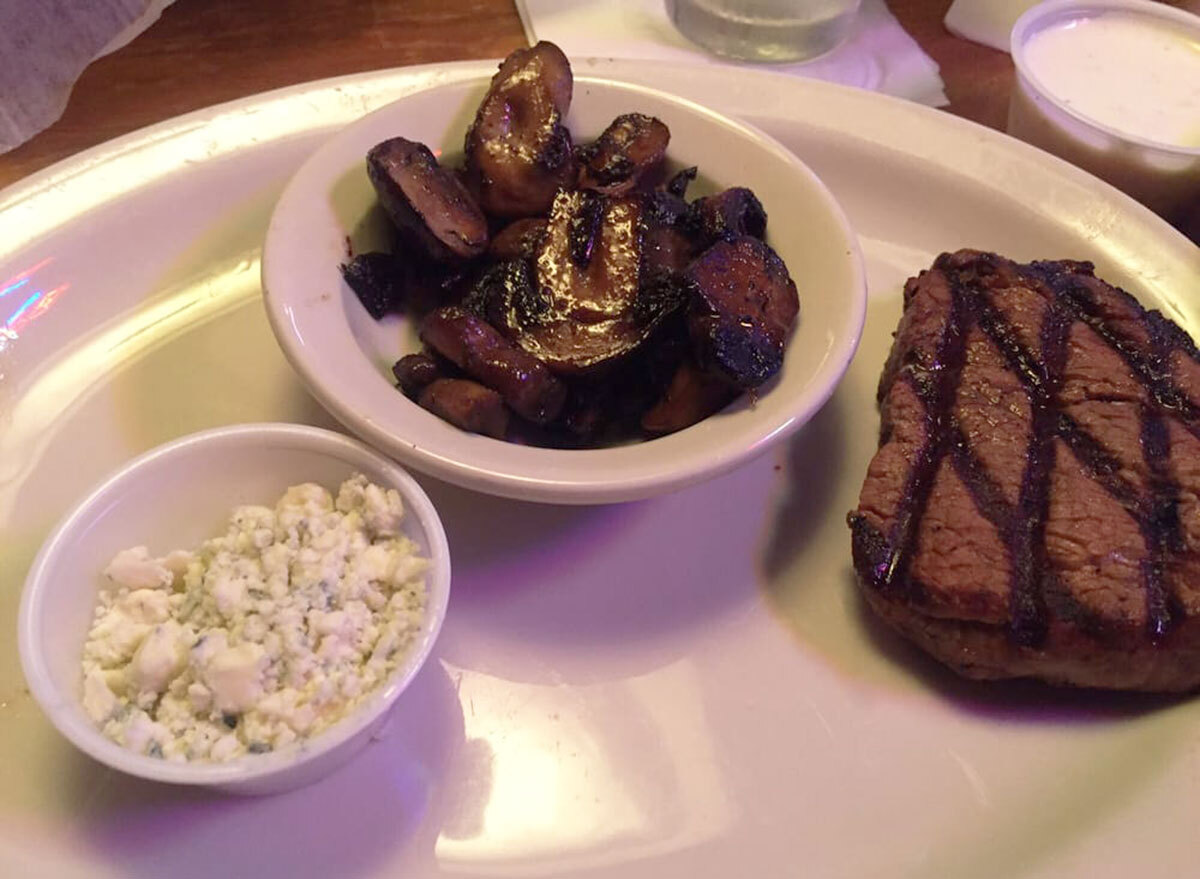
column 345, row 357
column 174, row 497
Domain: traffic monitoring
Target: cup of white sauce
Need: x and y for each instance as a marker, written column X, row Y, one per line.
column 1113, row 86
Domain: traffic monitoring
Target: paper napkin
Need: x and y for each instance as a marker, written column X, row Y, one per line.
column 878, row 55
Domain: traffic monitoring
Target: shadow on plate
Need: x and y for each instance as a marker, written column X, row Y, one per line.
column 383, row 809
column 622, row 580
column 814, row 462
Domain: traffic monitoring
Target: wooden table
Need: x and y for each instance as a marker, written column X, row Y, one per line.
column 203, row 52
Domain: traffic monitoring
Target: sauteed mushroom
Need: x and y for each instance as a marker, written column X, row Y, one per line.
column 586, row 311
column 736, row 211
column 518, row 149
column 477, row 348
column 519, row 238
column 414, row 372
column 427, row 203
column 745, row 306
column 569, row 297
column 466, row 404
column 629, row 149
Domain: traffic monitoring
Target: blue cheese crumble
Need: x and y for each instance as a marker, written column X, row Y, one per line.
column 263, row 636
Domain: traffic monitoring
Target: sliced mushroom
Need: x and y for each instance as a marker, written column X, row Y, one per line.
column 692, row 396
column 631, row 147
column 505, row 296
column 584, row 308
column 379, row 280
column 585, row 224
column 678, row 184
column 670, row 239
column 466, row 404
column 518, row 149
column 735, row 211
column 665, row 208
column 414, row 371
column 745, row 306
column 476, row 347
column 667, row 249
column 519, row 239
column 428, row 204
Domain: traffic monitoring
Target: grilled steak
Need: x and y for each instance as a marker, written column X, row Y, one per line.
column 1033, row 509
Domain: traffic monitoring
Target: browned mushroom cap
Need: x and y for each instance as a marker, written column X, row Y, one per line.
column 734, row 211
column 380, row 281
column 466, row 404
column 414, row 372
column 519, row 239
column 477, row 348
column 692, row 396
column 666, row 249
column 631, row 146
column 745, row 306
column 428, row 204
column 518, row 149
column 586, row 306
column 670, row 240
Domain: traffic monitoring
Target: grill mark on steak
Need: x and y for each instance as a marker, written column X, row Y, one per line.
column 1151, row 368
column 1156, row 516
column 984, row 490
column 936, row 385
column 1023, row 527
column 1026, row 537
column 1101, row 465
column 871, row 551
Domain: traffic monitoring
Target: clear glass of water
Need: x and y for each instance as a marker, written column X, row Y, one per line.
column 765, row 30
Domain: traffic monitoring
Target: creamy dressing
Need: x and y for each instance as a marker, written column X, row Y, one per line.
column 1137, row 74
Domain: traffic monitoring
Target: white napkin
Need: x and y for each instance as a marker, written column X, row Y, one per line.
column 986, row 21
column 46, row 44
column 878, row 55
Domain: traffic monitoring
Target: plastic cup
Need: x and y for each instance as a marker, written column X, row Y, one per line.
column 1107, row 111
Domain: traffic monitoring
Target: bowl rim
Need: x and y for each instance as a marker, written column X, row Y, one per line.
column 580, row 476
column 60, row 707
column 1049, row 13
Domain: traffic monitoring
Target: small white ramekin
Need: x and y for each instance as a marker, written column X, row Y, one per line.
column 175, row 496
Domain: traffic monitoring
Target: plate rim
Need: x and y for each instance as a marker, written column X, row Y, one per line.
column 865, row 115
column 942, row 121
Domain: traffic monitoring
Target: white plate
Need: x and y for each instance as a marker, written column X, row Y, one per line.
column 678, row 687
column 345, row 357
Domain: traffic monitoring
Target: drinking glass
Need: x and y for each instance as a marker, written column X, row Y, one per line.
column 765, row 30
